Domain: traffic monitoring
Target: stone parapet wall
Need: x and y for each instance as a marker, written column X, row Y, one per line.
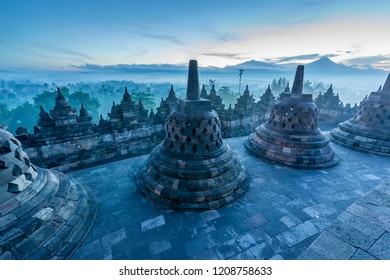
column 95, row 148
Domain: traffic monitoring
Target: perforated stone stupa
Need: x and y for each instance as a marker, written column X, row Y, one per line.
column 193, row 168
column 43, row 215
column 369, row 129
column 291, row 136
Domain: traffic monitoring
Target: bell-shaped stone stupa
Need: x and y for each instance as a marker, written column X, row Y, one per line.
column 43, row 215
column 291, row 136
column 369, row 129
column 192, row 169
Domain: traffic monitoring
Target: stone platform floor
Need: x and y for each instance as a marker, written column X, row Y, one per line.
column 283, row 213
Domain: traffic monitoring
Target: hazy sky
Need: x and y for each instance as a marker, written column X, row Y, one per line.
column 61, row 33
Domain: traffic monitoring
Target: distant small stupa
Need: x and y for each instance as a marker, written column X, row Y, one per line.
column 291, row 136
column 369, row 129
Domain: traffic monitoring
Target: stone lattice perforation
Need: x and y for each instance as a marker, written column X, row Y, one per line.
column 294, row 117
column 193, row 136
column 15, row 168
column 373, row 114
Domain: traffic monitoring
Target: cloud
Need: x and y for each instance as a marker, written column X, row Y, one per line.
column 226, row 55
column 40, row 49
column 312, row 56
column 364, row 62
column 169, row 38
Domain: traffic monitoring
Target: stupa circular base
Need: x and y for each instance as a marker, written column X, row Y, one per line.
column 197, row 185
column 295, row 151
column 48, row 220
column 359, row 141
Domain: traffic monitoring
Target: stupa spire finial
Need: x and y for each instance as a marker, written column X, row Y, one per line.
column 193, row 81
column 298, row 80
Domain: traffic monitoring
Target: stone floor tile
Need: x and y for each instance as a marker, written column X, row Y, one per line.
column 362, row 255
column 381, row 248
column 331, row 247
column 227, row 250
column 262, row 251
column 157, row 247
column 153, row 223
column 246, row 241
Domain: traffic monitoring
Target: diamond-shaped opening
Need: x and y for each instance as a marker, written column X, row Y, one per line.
column 212, row 137
column 194, row 149
column 28, row 176
column 293, row 126
column 2, row 165
column 193, row 131
column 169, row 135
column 177, row 137
column 5, row 149
column 17, row 155
column 208, row 148
column 209, row 122
column 171, row 146
column 17, row 171
column 188, row 139
column 182, row 148
column 215, row 128
column 205, row 130
column 173, row 129
column 217, row 144
column 27, row 162
column 181, row 130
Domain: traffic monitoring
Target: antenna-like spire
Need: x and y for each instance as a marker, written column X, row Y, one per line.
column 193, row 81
column 298, row 81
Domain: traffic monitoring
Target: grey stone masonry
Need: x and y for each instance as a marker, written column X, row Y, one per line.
column 369, row 129
column 291, row 136
column 331, row 109
column 128, row 132
column 362, row 232
column 193, row 168
column 43, row 215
